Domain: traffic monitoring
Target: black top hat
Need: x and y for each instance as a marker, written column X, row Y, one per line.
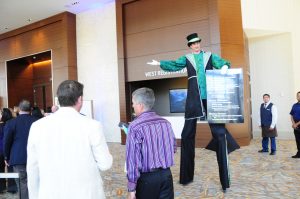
column 192, row 38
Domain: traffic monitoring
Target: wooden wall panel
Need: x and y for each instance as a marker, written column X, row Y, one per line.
column 38, row 97
column 164, row 39
column 58, row 58
column 138, row 66
column 42, row 73
column 6, row 48
column 43, row 96
column 42, row 79
column 57, row 33
column 70, row 38
column 235, row 53
column 203, row 135
column 145, row 15
column 19, row 83
column 49, row 99
column 231, row 29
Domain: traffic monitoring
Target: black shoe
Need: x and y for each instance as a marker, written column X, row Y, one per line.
column 186, row 183
column 273, row 153
column 296, row 156
column 262, row 151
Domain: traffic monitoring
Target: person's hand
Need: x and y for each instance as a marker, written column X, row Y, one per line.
column 295, row 126
column 224, row 70
column 125, row 129
column 131, row 195
column 6, row 163
column 271, row 129
column 154, row 63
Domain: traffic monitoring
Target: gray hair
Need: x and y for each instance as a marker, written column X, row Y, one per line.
column 68, row 92
column 24, row 105
column 144, row 96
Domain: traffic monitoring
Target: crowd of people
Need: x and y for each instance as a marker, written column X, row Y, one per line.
column 48, row 153
column 14, row 129
column 59, row 154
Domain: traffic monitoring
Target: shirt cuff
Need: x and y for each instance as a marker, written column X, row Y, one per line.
column 131, row 186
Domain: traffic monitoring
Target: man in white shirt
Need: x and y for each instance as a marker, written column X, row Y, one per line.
column 66, row 151
column 267, row 121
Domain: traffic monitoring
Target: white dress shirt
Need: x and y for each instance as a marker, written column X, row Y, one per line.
column 274, row 115
column 66, row 150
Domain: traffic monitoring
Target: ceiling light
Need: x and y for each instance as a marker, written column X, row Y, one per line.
column 75, row 3
column 29, row 20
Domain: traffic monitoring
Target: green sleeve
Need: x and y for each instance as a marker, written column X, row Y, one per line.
column 218, row 62
column 169, row 65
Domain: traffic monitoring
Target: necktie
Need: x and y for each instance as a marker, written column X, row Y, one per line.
column 265, row 105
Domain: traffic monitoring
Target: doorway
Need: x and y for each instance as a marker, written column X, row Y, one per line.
column 30, row 78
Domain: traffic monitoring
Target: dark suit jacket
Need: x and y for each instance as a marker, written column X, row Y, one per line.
column 16, row 133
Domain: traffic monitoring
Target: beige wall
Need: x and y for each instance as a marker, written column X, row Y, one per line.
column 274, row 45
column 97, row 65
column 270, row 73
column 296, row 45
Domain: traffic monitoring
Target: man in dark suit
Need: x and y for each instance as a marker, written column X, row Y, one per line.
column 15, row 144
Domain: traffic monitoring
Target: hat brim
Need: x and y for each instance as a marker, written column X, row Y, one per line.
column 194, row 40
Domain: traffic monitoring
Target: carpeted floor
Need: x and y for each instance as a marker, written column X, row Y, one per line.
column 253, row 175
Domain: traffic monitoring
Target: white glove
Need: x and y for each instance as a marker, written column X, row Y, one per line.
column 154, row 63
column 224, row 70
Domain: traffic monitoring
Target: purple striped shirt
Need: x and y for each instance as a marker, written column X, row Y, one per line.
column 150, row 144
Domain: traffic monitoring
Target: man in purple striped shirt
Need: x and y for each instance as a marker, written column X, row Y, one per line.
column 150, row 148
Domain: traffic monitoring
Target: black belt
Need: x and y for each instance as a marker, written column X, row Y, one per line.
column 156, row 170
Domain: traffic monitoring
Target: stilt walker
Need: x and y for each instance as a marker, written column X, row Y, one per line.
column 196, row 63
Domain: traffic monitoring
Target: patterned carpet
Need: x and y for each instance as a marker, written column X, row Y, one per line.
column 253, row 175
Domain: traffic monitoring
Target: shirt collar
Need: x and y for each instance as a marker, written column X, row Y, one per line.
column 201, row 51
column 145, row 113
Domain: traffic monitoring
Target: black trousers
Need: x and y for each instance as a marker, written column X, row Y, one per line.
column 23, row 188
column 11, row 183
column 2, row 170
column 155, row 185
column 222, row 143
column 219, row 136
column 297, row 138
column 187, row 156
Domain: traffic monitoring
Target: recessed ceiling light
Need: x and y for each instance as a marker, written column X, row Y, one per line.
column 75, row 3
column 29, row 20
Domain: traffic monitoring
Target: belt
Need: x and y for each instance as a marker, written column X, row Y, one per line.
column 156, row 170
